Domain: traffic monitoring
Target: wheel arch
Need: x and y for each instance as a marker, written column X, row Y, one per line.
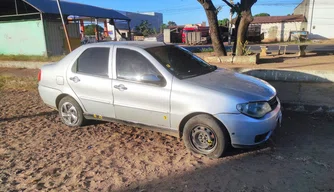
column 189, row 116
column 61, row 96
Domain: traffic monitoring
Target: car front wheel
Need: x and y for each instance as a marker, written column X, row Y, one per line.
column 70, row 112
column 202, row 134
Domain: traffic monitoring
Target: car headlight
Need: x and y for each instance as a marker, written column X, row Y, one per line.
column 254, row 109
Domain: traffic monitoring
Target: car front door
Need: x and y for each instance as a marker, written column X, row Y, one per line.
column 90, row 79
column 141, row 93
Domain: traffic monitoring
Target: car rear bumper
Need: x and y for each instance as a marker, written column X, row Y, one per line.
column 246, row 131
column 48, row 95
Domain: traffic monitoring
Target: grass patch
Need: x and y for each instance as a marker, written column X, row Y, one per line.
column 203, row 50
column 30, row 58
column 18, row 83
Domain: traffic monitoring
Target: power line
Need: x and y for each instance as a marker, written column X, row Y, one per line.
column 188, row 8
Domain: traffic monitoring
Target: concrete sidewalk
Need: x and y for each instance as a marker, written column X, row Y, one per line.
column 300, row 90
column 291, row 75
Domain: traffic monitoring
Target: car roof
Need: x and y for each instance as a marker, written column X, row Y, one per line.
column 140, row 44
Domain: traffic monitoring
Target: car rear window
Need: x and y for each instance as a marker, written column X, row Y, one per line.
column 94, row 61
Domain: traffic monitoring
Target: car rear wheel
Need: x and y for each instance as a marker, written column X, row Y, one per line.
column 202, row 134
column 70, row 112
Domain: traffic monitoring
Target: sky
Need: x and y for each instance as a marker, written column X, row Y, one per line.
column 190, row 11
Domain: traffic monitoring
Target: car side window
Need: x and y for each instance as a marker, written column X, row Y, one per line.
column 94, row 61
column 132, row 65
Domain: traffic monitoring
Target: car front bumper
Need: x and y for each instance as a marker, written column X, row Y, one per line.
column 247, row 131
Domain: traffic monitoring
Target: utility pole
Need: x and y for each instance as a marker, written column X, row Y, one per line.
column 230, row 24
column 17, row 12
column 64, row 26
column 97, row 32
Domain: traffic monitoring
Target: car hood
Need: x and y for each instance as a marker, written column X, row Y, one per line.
column 235, row 84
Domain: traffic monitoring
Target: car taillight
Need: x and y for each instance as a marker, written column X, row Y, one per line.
column 39, row 75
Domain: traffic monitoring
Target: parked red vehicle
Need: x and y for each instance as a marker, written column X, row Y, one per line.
column 205, row 31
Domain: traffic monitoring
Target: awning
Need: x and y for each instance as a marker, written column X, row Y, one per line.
column 77, row 9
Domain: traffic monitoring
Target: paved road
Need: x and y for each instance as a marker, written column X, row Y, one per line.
column 290, row 48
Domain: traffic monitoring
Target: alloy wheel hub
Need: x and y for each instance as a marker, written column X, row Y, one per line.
column 69, row 113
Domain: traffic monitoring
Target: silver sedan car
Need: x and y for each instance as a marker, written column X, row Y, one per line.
column 165, row 88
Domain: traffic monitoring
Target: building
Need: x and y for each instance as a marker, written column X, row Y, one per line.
column 33, row 27
column 320, row 17
column 153, row 18
column 277, row 28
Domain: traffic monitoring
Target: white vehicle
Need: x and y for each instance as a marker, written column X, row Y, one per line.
column 163, row 87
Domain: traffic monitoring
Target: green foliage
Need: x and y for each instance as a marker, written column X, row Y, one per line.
column 163, row 26
column 171, row 24
column 246, row 50
column 145, row 28
column 223, row 22
column 262, row 15
column 90, row 29
column 155, row 31
column 203, row 50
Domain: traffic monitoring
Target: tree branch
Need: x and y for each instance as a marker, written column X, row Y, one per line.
column 207, row 5
column 228, row 3
column 247, row 4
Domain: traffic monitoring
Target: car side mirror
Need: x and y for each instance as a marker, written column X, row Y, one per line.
column 150, row 78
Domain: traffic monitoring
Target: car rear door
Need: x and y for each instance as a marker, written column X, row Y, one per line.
column 90, row 79
column 135, row 100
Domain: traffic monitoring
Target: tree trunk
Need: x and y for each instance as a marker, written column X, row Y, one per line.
column 246, row 19
column 211, row 13
column 237, row 23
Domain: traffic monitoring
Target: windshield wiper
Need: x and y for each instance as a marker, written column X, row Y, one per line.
column 198, row 73
column 189, row 76
column 213, row 67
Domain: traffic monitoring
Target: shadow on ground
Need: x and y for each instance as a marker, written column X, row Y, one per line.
column 273, row 57
column 298, row 158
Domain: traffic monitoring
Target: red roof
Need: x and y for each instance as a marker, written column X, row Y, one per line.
column 279, row 19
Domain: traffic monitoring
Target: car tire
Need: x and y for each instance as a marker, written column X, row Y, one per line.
column 203, row 134
column 70, row 112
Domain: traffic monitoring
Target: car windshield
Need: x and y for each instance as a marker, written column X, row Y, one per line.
column 180, row 62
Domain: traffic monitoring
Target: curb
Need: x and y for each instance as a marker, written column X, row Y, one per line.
column 312, row 76
column 251, row 59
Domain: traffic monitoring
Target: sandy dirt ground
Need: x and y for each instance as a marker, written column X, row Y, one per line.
column 18, row 72
column 38, row 152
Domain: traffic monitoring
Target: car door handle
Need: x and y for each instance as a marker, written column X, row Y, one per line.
column 120, row 87
column 75, row 79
